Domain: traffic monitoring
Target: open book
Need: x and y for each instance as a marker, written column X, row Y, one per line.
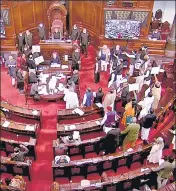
column 78, row 111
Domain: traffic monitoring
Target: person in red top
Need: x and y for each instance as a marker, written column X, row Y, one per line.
column 21, row 63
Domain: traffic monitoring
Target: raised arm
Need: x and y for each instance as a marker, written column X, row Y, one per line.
column 26, row 150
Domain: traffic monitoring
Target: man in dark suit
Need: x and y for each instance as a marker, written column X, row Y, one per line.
column 41, row 30
column 56, row 34
column 75, row 33
column 84, row 41
column 28, row 39
column 20, row 42
column 147, row 123
column 18, row 154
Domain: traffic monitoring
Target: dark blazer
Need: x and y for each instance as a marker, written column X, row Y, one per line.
column 28, row 40
column 41, row 31
column 56, row 35
column 55, row 60
column 20, row 41
column 75, row 34
column 84, row 38
column 31, row 64
column 75, row 57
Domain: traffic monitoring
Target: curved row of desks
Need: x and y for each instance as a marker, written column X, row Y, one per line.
column 15, row 167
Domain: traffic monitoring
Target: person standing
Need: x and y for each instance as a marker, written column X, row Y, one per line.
column 20, row 42
column 71, row 99
column 84, row 41
column 125, row 96
column 165, row 172
column 98, row 96
column 97, row 70
column 147, row 123
column 11, row 64
column 109, row 99
column 75, row 33
column 28, row 39
column 88, row 98
column 104, row 55
column 132, row 132
column 31, row 64
column 76, row 59
column 75, row 77
column 41, row 30
column 113, row 77
column 156, row 151
column 156, row 91
column 20, row 81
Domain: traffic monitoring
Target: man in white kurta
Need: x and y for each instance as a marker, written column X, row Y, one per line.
column 71, row 99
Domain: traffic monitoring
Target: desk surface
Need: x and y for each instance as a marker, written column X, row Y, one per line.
column 20, row 110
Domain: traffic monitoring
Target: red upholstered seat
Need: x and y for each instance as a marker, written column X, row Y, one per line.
column 3, row 153
column 111, row 188
column 76, row 179
column 107, row 165
column 74, row 151
column 59, row 172
column 127, row 184
column 122, row 170
column 93, row 176
column 18, row 170
column 135, row 165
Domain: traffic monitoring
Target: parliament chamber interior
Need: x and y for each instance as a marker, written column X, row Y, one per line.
column 88, row 95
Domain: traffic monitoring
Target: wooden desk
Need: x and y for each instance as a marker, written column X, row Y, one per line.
column 20, row 111
column 48, row 47
column 7, row 165
column 67, row 113
column 117, row 180
column 19, row 128
column 30, row 145
column 81, row 127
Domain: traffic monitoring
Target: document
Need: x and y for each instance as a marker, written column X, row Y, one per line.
column 71, row 127
column 147, row 92
column 35, row 48
column 4, row 109
column 39, row 60
column 29, row 128
column 79, row 111
column 99, row 105
column 66, row 58
column 133, row 87
column 64, row 66
column 66, row 127
column 6, row 124
column 97, row 122
column 155, row 70
column 35, row 112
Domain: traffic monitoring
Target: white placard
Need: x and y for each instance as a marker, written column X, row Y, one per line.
column 35, row 112
column 133, row 87
column 66, row 58
column 144, row 169
column 39, row 60
column 147, row 92
column 6, row 124
column 35, row 48
column 155, row 70
column 99, row 105
column 29, row 128
column 71, row 127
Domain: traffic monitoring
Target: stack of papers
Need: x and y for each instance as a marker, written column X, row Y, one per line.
column 35, row 112
column 6, row 124
column 4, row 109
column 99, row 105
column 29, row 128
column 78, row 111
column 144, row 169
column 97, row 122
column 64, row 66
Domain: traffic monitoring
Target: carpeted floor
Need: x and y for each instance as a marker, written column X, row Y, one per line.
column 41, row 171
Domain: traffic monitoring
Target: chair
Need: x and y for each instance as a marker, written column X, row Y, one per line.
column 76, row 171
column 158, row 14
column 111, row 188
column 57, row 24
column 91, row 168
column 127, row 185
column 9, row 148
column 74, row 151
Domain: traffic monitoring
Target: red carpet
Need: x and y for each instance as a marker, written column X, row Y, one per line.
column 41, row 171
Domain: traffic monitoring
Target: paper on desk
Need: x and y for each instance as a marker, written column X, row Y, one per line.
column 155, row 70
column 4, row 109
column 161, row 70
column 66, row 127
column 6, row 124
column 147, row 92
column 35, row 112
column 35, row 48
column 64, row 66
column 71, row 127
column 66, row 57
column 99, row 105
column 133, row 87
column 130, row 150
column 144, row 169
column 78, row 111
column 39, row 60
column 97, row 122
column 29, row 128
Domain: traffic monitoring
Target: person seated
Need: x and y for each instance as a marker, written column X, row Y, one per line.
column 33, row 78
column 72, row 137
column 55, row 59
column 104, row 177
column 156, row 35
column 56, row 34
column 15, row 183
column 63, row 159
column 18, row 154
column 21, row 62
column 71, row 85
column 27, row 51
column 20, row 81
column 55, row 186
column 75, row 77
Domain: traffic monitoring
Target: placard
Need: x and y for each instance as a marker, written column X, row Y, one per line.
column 133, row 87
column 155, row 70
column 39, row 60
column 35, row 48
column 66, row 58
